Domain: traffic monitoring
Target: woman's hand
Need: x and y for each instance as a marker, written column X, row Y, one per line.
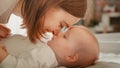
column 3, row 53
column 4, row 31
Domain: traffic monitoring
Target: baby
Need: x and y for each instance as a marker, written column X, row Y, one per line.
column 77, row 47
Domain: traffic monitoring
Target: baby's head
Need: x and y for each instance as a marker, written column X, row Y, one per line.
column 76, row 47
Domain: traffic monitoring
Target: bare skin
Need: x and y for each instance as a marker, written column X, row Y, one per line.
column 4, row 31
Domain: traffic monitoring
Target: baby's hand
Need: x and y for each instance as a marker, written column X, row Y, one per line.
column 3, row 53
column 4, row 31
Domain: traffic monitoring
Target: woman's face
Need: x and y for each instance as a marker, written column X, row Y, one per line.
column 56, row 19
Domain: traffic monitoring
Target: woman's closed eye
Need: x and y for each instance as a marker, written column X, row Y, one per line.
column 64, row 24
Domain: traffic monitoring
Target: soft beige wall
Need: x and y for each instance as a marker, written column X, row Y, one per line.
column 90, row 11
column 6, row 8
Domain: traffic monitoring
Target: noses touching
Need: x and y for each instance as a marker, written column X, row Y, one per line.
column 54, row 31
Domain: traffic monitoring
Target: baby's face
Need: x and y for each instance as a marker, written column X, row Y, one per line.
column 65, row 42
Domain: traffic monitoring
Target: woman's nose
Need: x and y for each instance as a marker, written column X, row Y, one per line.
column 58, row 35
column 54, row 37
column 56, row 32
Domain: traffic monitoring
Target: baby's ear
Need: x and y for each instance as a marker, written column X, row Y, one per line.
column 72, row 58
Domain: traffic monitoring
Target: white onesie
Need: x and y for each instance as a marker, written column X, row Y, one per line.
column 40, row 56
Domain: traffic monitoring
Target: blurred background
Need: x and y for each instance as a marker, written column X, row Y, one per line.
column 103, row 16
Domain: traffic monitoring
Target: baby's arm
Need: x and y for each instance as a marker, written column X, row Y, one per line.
column 33, row 58
column 10, row 61
column 29, row 60
column 6, row 61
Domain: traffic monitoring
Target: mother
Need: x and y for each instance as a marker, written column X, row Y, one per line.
column 40, row 16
